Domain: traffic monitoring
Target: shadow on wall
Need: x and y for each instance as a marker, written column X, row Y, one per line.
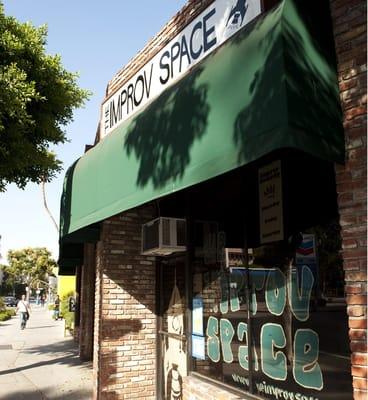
column 161, row 137
column 114, row 332
column 308, row 74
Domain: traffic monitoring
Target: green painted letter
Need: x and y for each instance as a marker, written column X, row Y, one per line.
column 273, row 363
column 243, row 349
column 306, row 370
column 299, row 298
column 276, row 291
column 213, row 343
column 256, row 280
column 226, row 334
column 224, row 284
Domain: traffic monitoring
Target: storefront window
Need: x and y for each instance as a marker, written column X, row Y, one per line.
column 273, row 322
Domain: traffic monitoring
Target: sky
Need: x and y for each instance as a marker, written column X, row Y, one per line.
column 96, row 39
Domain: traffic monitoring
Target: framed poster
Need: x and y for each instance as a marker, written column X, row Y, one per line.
column 270, row 203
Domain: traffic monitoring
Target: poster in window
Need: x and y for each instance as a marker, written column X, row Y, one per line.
column 197, row 316
column 198, row 347
column 270, row 203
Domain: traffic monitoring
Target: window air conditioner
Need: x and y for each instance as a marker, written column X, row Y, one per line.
column 163, row 236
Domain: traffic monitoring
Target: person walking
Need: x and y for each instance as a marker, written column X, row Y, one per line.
column 24, row 310
column 57, row 308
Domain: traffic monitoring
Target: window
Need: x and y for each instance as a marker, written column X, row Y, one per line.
column 274, row 322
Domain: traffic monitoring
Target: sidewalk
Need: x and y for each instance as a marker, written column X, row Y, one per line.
column 39, row 363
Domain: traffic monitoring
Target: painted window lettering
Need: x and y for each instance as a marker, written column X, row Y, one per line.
column 306, row 370
column 299, row 297
column 243, row 349
column 273, row 361
column 213, row 342
column 226, row 334
column 273, row 340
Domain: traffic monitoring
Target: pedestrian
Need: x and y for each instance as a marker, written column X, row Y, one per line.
column 57, row 308
column 24, row 310
column 42, row 300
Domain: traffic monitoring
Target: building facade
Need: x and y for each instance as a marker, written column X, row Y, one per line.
column 217, row 228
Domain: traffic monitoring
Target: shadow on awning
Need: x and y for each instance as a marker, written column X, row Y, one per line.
column 272, row 86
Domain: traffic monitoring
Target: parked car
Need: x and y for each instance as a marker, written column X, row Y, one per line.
column 10, row 301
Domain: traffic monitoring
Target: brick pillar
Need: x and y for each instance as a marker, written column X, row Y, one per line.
column 349, row 20
column 97, row 322
column 77, row 298
column 87, row 303
column 125, row 320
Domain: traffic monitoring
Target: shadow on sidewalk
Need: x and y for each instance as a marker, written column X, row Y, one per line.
column 65, row 347
column 70, row 361
column 63, row 353
column 46, row 394
column 40, row 327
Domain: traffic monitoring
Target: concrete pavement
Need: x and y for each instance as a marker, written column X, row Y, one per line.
column 39, row 363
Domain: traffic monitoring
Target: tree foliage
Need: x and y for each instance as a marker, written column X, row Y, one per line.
column 37, row 99
column 30, row 266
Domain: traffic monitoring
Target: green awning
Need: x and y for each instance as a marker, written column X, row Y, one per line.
column 271, row 86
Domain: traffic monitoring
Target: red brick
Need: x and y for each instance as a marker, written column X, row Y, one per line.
column 357, row 323
column 355, row 288
column 357, row 311
column 360, row 395
column 356, row 299
column 359, row 359
column 356, row 276
column 358, row 346
column 359, row 372
column 359, row 383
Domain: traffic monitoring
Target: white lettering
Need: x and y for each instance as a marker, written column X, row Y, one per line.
column 203, row 35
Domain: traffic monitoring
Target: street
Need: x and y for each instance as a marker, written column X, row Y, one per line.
column 39, row 363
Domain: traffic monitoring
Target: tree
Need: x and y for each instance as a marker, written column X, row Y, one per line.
column 30, row 266
column 37, row 99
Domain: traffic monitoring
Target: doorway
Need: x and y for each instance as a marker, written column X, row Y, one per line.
column 172, row 358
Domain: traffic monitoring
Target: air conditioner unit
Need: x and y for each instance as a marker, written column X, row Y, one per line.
column 164, row 236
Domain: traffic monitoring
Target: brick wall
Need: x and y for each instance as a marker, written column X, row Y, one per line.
column 97, row 322
column 87, row 303
column 349, row 19
column 125, row 320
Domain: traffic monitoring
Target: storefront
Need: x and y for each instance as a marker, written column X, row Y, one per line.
column 205, row 220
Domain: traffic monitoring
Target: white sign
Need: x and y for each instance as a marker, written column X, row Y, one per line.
column 198, row 347
column 270, row 203
column 221, row 20
column 197, row 316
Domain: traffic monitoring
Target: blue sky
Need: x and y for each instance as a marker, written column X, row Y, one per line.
column 96, row 39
